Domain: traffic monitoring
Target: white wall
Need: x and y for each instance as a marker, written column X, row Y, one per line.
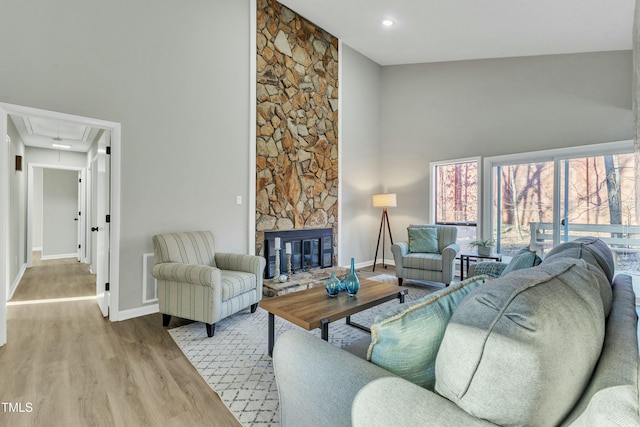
column 60, row 207
column 360, row 156
column 488, row 107
column 18, row 205
column 175, row 75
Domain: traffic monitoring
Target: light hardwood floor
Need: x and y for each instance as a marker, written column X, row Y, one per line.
column 75, row 368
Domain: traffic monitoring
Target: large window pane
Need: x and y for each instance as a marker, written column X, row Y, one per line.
column 598, row 199
column 456, row 198
column 523, row 194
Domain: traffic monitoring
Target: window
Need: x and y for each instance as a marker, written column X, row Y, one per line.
column 455, row 196
column 551, row 197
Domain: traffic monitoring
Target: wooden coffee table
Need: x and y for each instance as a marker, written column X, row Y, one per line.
column 313, row 308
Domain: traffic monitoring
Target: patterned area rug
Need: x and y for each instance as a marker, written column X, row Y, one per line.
column 234, row 362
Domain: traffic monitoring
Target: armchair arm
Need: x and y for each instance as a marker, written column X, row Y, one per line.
column 449, row 254
column 399, row 250
column 394, row 401
column 194, row 274
column 240, row 262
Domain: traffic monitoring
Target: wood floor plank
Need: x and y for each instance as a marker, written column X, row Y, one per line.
column 77, row 368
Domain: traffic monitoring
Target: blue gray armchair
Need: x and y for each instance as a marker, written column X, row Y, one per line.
column 196, row 283
column 429, row 254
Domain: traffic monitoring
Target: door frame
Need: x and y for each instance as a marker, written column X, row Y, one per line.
column 115, row 176
column 30, row 201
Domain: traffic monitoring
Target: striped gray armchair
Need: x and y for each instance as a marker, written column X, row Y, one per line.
column 433, row 260
column 196, row 283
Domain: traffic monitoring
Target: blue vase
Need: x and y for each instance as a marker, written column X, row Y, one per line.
column 352, row 283
column 332, row 285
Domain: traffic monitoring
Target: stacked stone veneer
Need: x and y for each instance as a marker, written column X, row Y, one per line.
column 297, row 124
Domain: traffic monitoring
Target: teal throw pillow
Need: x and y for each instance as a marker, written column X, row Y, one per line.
column 407, row 343
column 423, row 240
column 523, row 259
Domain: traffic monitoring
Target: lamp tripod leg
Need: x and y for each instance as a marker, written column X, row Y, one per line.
column 375, row 258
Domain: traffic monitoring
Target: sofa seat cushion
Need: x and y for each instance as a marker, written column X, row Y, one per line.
column 236, row 283
column 423, row 261
column 521, row 349
column 407, row 341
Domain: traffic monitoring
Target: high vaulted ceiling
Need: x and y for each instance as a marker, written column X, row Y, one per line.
column 452, row 30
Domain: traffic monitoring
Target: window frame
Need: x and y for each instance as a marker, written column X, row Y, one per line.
column 433, row 190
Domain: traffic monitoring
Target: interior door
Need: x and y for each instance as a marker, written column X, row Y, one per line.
column 100, row 229
column 4, row 225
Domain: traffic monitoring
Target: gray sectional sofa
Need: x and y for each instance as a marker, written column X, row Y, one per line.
column 554, row 344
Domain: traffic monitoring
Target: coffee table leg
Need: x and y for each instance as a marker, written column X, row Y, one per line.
column 271, row 332
column 325, row 329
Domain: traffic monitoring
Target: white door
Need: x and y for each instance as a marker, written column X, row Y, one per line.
column 100, row 229
column 4, row 224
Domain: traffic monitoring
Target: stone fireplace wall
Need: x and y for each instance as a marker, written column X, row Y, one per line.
column 297, row 124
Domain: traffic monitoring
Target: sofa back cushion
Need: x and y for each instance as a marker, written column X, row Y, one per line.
column 195, row 247
column 407, row 341
column 520, row 349
column 592, row 249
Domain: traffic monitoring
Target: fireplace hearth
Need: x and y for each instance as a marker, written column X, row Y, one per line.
column 311, row 248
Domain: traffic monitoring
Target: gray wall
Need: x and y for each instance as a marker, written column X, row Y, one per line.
column 175, row 74
column 360, row 155
column 59, row 208
column 489, row 107
column 18, row 205
column 36, row 210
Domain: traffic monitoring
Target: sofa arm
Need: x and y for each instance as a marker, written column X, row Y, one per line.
column 194, row 274
column 318, row 381
column 399, row 250
column 449, row 254
column 394, row 401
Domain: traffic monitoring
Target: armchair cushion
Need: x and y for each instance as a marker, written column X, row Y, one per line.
column 422, row 261
column 236, row 283
column 423, row 240
column 406, row 343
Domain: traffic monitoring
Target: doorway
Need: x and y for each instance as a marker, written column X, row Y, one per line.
column 107, row 299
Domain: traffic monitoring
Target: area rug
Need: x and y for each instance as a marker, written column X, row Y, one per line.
column 234, row 362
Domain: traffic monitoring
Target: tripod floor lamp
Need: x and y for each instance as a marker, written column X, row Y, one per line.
column 384, row 201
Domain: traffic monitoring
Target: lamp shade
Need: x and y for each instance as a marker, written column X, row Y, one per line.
column 386, row 200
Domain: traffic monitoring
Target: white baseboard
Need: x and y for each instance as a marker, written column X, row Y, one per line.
column 370, row 263
column 16, row 282
column 137, row 312
column 38, row 248
column 59, row 256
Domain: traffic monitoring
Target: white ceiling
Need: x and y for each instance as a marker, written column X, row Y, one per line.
column 44, row 132
column 452, row 30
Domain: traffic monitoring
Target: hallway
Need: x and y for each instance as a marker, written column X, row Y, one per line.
column 64, row 364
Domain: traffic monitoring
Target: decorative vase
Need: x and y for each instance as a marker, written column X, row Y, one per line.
column 332, row 285
column 351, row 282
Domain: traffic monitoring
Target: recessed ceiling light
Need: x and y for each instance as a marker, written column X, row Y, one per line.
column 64, row 146
column 387, row 22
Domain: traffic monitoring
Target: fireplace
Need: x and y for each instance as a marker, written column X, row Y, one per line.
column 311, row 248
